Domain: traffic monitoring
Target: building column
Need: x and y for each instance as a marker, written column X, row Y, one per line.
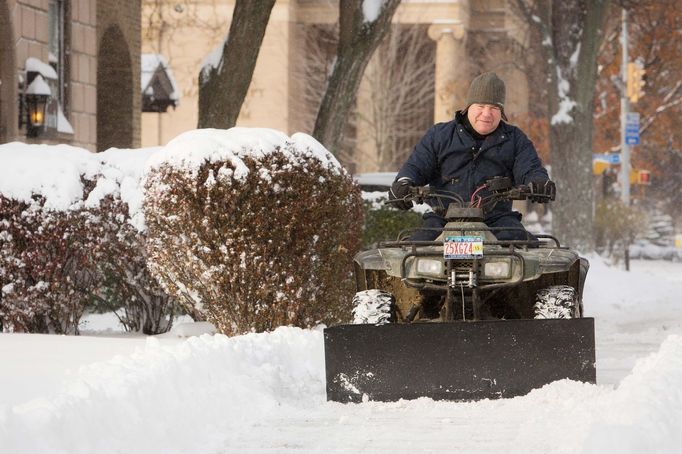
column 366, row 155
column 452, row 75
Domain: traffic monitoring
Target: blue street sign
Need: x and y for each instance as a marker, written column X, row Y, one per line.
column 611, row 158
column 632, row 128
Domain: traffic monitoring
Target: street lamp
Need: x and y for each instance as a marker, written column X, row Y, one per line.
column 36, row 97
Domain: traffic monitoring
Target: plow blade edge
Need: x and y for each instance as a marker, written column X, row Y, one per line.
column 457, row 360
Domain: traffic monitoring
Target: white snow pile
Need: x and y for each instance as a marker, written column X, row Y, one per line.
column 186, row 398
column 55, row 171
column 248, row 393
column 266, row 392
column 191, row 149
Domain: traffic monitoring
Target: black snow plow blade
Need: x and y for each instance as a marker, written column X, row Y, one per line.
column 457, row 360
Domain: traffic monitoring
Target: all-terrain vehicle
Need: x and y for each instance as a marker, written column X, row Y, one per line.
column 465, row 316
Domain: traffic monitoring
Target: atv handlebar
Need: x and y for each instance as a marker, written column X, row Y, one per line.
column 495, row 189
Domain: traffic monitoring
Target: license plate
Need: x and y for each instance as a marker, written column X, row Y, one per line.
column 463, row 247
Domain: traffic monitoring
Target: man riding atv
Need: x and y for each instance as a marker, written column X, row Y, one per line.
column 460, row 155
column 471, row 306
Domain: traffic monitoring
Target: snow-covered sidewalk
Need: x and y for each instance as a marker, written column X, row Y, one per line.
column 265, row 392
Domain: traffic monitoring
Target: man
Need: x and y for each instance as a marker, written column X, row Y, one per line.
column 460, row 155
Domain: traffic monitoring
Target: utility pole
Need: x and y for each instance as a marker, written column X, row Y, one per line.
column 624, row 109
column 624, row 147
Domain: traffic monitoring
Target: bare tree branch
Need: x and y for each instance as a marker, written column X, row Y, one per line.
column 358, row 38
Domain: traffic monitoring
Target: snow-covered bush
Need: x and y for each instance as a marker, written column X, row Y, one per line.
column 127, row 287
column 657, row 241
column 252, row 229
column 47, row 266
column 71, row 231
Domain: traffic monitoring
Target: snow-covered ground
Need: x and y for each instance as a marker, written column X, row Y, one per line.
column 107, row 392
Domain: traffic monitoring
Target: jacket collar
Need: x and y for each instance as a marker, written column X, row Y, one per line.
column 498, row 136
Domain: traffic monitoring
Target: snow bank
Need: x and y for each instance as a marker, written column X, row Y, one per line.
column 266, row 391
column 645, row 413
column 642, row 415
column 186, row 398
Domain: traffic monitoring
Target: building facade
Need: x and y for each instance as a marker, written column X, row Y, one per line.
column 451, row 42
column 70, row 72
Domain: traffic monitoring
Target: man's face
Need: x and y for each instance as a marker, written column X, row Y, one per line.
column 484, row 117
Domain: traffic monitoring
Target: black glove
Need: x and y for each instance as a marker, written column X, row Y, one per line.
column 399, row 189
column 542, row 191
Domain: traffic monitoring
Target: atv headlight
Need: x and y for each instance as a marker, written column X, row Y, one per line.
column 497, row 269
column 430, row 267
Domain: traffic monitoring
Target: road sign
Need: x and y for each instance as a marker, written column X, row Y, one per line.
column 632, row 128
column 611, row 158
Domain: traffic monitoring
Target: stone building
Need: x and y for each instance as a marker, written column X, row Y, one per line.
column 70, row 72
column 456, row 40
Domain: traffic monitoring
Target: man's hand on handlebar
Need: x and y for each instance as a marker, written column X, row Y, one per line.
column 400, row 189
column 541, row 191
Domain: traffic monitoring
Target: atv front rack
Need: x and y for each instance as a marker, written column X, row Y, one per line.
column 528, row 243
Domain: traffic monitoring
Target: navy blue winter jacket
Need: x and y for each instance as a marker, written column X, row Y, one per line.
column 446, row 158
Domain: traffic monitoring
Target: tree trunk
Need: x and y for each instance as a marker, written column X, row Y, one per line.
column 357, row 41
column 222, row 89
column 571, row 32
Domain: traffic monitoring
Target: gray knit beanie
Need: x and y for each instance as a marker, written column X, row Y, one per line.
column 487, row 89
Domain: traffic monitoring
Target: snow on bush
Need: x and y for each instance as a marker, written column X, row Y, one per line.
column 70, row 227
column 252, row 229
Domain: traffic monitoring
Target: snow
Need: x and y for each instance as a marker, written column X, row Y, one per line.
column 371, row 9
column 212, row 60
column 150, row 63
column 38, row 87
column 50, row 170
column 190, row 329
column 266, row 392
column 566, row 104
column 190, row 150
column 54, row 171
column 35, row 65
column 63, row 124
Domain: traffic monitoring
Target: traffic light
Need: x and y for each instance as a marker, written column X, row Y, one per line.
column 635, row 82
column 644, row 177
